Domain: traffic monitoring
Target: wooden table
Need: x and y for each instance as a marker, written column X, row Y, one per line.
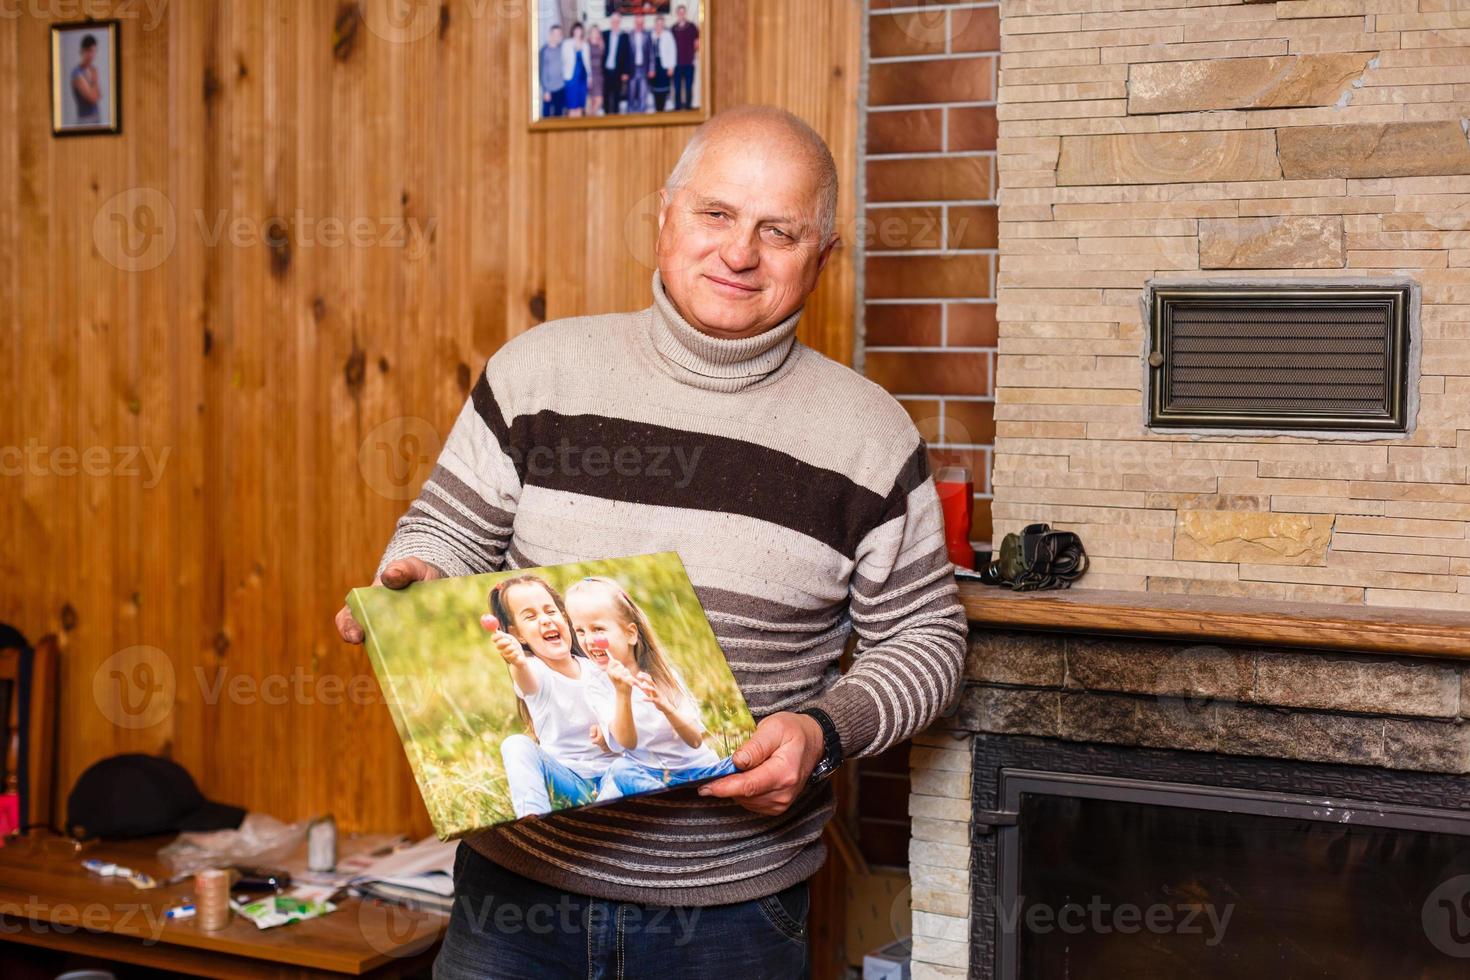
column 48, row 899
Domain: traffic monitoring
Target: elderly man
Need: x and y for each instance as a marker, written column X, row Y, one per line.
column 799, row 497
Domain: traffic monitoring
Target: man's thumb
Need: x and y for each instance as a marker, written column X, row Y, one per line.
column 762, row 744
column 400, row 573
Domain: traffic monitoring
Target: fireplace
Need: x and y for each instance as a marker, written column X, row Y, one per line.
column 1169, row 786
column 1106, row 861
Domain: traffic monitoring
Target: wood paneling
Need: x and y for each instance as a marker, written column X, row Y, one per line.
column 277, row 368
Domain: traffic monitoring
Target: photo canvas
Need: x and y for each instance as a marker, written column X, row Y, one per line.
column 523, row 692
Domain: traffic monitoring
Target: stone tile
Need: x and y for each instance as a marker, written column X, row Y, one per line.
column 975, row 29
column 969, row 422
column 972, row 325
column 944, row 80
column 926, row 416
column 952, row 927
column 1407, row 149
column 972, row 227
column 902, row 325
column 1371, row 685
column 1168, row 158
column 1290, row 241
column 1100, row 718
column 908, row 33
column 955, row 832
column 972, row 128
column 928, row 276
column 1032, row 659
column 1001, row 710
column 919, row 373
column 904, row 229
column 1242, row 83
column 1200, row 671
column 940, row 900
column 933, row 971
column 935, row 782
column 939, row 855
column 1242, row 536
column 1426, row 746
column 939, row 807
column 1305, row 735
column 906, row 131
column 929, row 179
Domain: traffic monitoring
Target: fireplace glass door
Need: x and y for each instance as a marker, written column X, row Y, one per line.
column 1104, row 877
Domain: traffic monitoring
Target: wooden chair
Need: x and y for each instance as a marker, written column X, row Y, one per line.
column 28, row 735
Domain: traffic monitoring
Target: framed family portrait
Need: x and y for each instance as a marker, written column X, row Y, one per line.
column 86, row 78
column 619, row 63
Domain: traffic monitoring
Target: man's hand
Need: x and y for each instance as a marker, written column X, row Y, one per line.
column 397, row 575
column 774, row 764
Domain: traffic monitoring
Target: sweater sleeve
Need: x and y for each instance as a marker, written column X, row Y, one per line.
column 911, row 627
column 461, row 520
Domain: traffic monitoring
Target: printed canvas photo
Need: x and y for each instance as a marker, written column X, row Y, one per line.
column 522, row 692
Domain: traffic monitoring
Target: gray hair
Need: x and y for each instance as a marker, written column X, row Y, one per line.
column 809, row 142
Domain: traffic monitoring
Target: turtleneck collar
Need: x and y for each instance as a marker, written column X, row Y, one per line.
column 698, row 359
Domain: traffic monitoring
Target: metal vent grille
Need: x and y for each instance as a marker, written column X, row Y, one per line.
column 1287, row 358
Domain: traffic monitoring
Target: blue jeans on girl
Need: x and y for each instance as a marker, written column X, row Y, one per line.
column 540, row 783
column 626, row 777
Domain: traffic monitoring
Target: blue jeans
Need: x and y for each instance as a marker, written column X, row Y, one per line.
column 507, row 927
column 626, row 777
column 540, row 783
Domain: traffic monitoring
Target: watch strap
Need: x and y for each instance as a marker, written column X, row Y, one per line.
column 831, row 745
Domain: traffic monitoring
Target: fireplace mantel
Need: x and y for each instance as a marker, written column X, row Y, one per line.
column 1395, row 631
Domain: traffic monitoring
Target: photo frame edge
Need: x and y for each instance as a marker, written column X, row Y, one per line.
column 113, row 27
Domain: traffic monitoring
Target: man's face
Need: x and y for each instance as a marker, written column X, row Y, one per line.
column 681, row 13
column 553, row 37
column 739, row 249
column 638, row 23
column 87, row 54
column 658, row 25
column 617, row 23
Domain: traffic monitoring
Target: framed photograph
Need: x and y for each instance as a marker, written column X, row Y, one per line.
column 86, row 78
column 619, row 63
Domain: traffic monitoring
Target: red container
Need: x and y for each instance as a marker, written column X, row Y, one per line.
column 957, row 498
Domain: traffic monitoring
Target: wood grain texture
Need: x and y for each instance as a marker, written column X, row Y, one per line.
column 1212, row 619
column 45, row 894
column 293, row 384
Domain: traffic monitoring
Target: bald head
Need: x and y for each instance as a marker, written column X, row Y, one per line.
column 768, row 130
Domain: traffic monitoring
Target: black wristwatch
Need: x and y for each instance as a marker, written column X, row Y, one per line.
column 831, row 746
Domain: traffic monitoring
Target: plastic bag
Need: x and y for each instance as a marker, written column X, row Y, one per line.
column 260, row 839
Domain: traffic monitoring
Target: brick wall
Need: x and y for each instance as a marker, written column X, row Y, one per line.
column 930, row 225
column 1157, row 139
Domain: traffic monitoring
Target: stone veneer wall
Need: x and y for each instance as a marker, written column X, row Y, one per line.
column 1165, row 139
column 1392, row 712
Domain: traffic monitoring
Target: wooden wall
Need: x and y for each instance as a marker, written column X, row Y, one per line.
column 209, row 433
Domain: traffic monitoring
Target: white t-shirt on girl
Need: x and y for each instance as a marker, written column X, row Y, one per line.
column 562, row 712
column 659, row 746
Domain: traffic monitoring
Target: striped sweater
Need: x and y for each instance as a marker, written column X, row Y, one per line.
column 797, row 494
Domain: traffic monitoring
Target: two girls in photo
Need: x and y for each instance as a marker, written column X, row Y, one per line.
column 607, row 714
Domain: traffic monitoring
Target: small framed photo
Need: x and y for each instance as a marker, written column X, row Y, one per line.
column 619, row 63
column 86, row 78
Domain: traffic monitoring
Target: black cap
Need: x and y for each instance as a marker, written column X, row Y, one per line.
column 136, row 795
